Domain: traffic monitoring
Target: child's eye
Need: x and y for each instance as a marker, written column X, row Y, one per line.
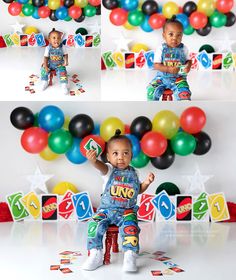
column 126, row 153
column 115, row 153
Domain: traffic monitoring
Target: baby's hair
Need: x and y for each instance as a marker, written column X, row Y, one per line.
column 172, row 20
column 54, row 31
column 118, row 136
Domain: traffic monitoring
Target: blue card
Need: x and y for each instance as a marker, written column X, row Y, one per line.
column 149, row 58
column 40, row 39
column 83, row 206
column 163, row 203
column 79, row 40
column 204, row 59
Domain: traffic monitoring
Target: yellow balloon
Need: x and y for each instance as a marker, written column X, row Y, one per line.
column 30, row 29
column 129, row 26
column 54, row 4
column 139, row 47
column 166, row 122
column 62, row 187
column 169, row 9
column 66, row 123
column 206, row 6
column 81, row 3
column 140, row 4
column 48, row 154
column 21, row 14
column 109, row 127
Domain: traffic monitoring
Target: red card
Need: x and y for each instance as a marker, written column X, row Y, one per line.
column 66, row 207
column 146, row 210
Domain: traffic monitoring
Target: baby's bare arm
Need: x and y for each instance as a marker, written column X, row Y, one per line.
column 101, row 166
column 145, row 184
column 66, row 63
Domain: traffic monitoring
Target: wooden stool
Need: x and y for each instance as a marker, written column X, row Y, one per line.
column 51, row 75
column 111, row 241
column 167, row 95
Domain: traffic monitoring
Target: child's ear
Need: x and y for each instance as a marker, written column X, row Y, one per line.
column 107, row 156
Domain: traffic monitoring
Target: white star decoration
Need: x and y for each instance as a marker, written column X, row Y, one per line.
column 197, row 181
column 226, row 44
column 94, row 28
column 122, row 43
column 18, row 27
column 38, row 181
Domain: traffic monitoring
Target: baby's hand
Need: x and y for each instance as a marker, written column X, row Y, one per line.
column 46, row 69
column 150, row 178
column 173, row 69
column 91, row 155
column 187, row 68
column 65, row 64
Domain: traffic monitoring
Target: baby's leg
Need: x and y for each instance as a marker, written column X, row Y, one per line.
column 62, row 74
column 155, row 89
column 181, row 89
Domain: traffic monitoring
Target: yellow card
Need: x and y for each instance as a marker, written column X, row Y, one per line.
column 119, row 59
column 218, row 207
column 234, row 59
column 15, row 39
column 32, row 203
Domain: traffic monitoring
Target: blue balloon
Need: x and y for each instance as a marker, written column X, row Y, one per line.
column 145, row 25
column 182, row 18
column 23, row 1
column 159, row 9
column 135, row 144
column 129, row 5
column 61, row 13
column 73, row 154
column 51, row 118
column 96, row 130
column 35, row 13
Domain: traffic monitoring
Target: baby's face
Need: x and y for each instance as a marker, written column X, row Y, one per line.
column 173, row 34
column 119, row 154
column 55, row 39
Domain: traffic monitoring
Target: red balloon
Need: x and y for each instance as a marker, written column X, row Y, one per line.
column 14, row 8
column 224, row 6
column 198, row 20
column 75, row 11
column 34, row 140
column 118, row 16
column 96, row 138
column 156, row 21
column 94, row 2
column 44, row 12
column 127, row 129
column 192, row 120
column 153, row 144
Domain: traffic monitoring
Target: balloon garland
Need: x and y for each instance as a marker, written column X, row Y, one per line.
column 50, row 133
column 149, row 15
column 55, row 9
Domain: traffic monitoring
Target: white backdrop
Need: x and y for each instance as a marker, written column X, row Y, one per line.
column 220, row 161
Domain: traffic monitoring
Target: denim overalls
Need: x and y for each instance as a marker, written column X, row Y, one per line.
column 55, row 61
column 175, row 82
column 118, row 206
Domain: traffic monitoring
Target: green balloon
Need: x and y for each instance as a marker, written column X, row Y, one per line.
column 140, row 160
column 28, row 9
column 183, row 143
column 60, row 141
column 135, row 17
column 89, row 11
column 68, row 18
column 189, row 30
column 36, row 120
column 218, row 19
column 169, row 187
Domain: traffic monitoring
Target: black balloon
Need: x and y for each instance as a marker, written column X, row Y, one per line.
column 98, row 10
column 149, row 7
column 8, row 1
column 81, row 125
column 38, row 3
column 165, row 160
column 81, row 31
column 22, row 118
column 205, row 30
column 104, row 156
column 231, row 18
column 140, row 126
column 203, row 143
column 53, row 16
column 189, row 7
column 68, row 3
column 80, row 19
column 110, row 4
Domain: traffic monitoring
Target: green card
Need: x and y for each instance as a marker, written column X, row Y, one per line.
column 18, row 211
column 93, row 145
column 200, row 206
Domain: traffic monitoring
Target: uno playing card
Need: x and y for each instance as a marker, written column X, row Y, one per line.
column 96, row 40
column 149, row 56
column 66, row 270
column 93, row 145
column 119, row 59
column 8, row 40
column 167, row 272
column 164, row 205
column 193, row 57
column 40, row 39
column 107, row 59
column 146, row 211
column 88, row 41
column 200, row 207
column 23, row 40
column 70, row 42
column 15, row 39
column 79, row 40
column 156, row 273
column 82, row 205
column 32, row 40
column 32, row 203
column 17, row 209
column 204, row 60
column 66, row 206
column 54, row 267
column 184, row 208
column 140, row 60
column 217, row 61
column 228, row 61
column 176, row 269
column 129, row 61
column 49, row 207
column 218, row 207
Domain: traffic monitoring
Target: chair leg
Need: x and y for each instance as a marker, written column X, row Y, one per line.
column 108, row 244
column 50, row 79
column 115, row 246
